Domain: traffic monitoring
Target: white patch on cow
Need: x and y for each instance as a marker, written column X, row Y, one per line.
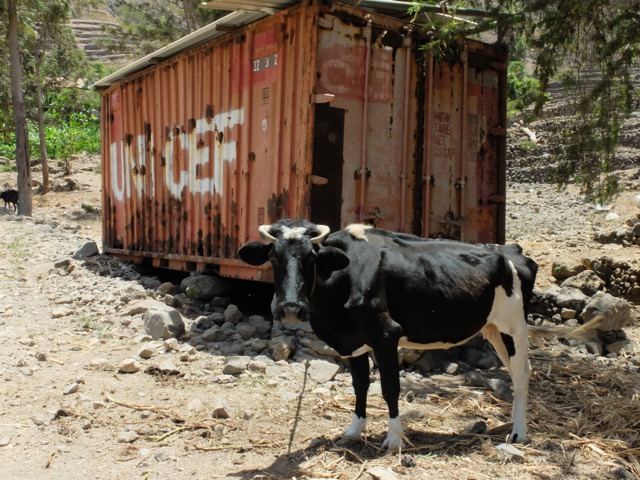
column 355, row 429
column 359, row 231
column 360, row 351
column 507, row 316
column 295, row 233
column 394, row 435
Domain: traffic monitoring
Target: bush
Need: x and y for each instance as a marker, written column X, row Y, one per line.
column 71, row 127
column 522, row 90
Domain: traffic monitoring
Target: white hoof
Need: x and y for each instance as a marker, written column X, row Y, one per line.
column 393, row 441
column 355, row 430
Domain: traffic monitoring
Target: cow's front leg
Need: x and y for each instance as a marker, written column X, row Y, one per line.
column 386, row 351
column 360, row 379
column 387, row 359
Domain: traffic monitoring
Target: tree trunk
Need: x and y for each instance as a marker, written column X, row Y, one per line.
column 190, row 15
column 43, row 139
column 19, row 114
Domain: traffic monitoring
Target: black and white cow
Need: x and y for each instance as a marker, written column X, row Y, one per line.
column 365, row 289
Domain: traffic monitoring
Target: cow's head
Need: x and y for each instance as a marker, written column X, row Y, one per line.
column 298, row 259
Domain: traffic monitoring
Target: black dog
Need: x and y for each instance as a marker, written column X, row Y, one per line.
column 10, row 196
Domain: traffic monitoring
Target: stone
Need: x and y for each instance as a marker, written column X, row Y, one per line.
column 129, row 365
column 195, row 405
column 204, row 287
column 594, row 348
column 509, row 453
column 4, row 441
column 565, row 268
column 128, row 436
column 262, row 326
column 246, row 331
column 69, row 389
column 142, row 306
column 451, row 368
column 381, row 473
column 618, row 347
column 281, row 348
column 319, row 346
column 322, row 371
column 410, row 355
column 163, row 324
column 235, row 365
column 220, row 410
column 146, row 352
column 212, row 334
column 588, row 282
column 89, row 249
column 99, row 362
column 61, row 312
column 167, row 288
column 606, row 312
column 167, row 366
column 232, row 314
column 171, row 344
column 258, row 366
column 425, row 363
column 295, row 326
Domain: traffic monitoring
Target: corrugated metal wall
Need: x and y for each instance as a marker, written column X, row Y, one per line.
column 327, row 113
column 199, row 149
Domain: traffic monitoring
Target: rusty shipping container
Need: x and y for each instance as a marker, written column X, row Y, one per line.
column 327, row 112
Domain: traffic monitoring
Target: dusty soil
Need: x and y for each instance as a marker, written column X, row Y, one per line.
column 67, row 412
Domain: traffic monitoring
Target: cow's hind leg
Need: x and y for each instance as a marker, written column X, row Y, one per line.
column 512, row 351
column 360, row 379
column 520, row 371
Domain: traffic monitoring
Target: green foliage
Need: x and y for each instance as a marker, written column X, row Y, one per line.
column 528, row 146
column 523, row 91
column 71, row 126
column 89, row 208
column 148, row 26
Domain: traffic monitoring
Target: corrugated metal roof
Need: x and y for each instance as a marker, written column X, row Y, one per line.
column 220, row 27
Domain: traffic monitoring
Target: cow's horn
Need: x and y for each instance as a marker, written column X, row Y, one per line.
column 264, row 233
column 323, row 231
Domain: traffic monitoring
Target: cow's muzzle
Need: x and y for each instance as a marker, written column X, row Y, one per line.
column 291, row 312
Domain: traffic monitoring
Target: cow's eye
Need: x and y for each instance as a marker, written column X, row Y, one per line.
column 274, row 261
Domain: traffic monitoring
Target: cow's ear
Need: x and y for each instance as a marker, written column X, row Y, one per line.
column 255, row 253
column 329, row 260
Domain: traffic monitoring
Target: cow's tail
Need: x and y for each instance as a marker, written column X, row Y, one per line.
column 587, row 332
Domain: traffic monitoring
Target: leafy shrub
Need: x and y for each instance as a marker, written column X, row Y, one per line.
column 523, row 90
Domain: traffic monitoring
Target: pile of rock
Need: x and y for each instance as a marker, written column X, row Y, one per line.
column 588, row 301
column 627, row 235
column 619, row 278
column 220, row 328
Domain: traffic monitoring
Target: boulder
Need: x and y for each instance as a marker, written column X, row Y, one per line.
column 204, row 287
column 163, row 324
column 89, row 249
column 588, row 282
column 564, row 268
column 606, row 312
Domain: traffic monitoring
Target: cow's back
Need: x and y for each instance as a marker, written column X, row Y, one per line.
column 437, row 290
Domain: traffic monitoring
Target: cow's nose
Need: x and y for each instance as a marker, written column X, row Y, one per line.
column 291, row 312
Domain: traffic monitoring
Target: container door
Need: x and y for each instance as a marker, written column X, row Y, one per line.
column 463, row 160
column 326, row 189
column 445, row 219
